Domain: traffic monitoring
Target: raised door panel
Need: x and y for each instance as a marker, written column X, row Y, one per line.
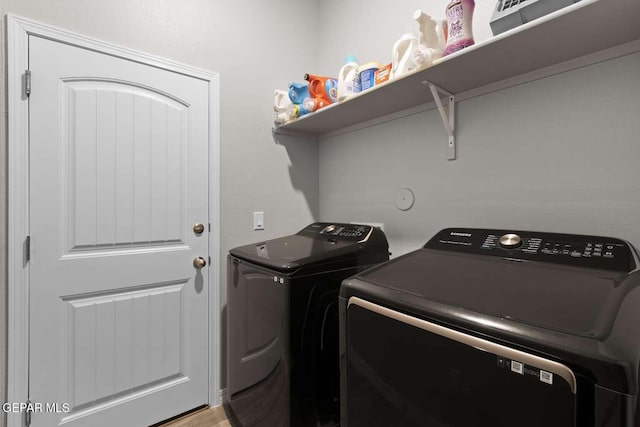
column 125, row 166
column 256, row 311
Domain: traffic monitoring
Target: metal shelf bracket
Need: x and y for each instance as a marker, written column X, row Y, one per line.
column 449, row 120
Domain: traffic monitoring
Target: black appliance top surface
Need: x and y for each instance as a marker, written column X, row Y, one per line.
column 572, row 301
column 317, row 243
column 467, row 268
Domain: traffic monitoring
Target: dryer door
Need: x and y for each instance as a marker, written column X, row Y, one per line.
column 255, row 313
column 402, row 370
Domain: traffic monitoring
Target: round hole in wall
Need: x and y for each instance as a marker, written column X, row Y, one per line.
column 405, row 199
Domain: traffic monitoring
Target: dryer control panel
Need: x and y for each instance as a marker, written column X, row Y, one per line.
column 338, row 231
column 606, row 253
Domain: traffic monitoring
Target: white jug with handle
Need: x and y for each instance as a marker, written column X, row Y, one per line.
column 348, row 79
column 281, row 100
column 401, row 55
column 281, row 106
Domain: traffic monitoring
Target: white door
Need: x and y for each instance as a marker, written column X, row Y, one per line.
column 118, row 178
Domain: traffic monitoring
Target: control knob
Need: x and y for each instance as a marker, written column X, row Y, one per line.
column 329, row 228
column 510, row 241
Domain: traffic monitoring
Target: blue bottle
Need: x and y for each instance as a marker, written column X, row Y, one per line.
column 298, row 92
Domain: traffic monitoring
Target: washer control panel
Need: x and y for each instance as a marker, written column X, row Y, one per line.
column 338, row 231
column 586, row 251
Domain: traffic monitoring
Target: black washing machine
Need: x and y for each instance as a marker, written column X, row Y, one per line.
column 494, row 328
column 282, row 323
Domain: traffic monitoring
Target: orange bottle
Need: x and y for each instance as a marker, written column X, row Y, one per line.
column 325, row 88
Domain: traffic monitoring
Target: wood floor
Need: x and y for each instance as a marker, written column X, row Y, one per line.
column 205, row 417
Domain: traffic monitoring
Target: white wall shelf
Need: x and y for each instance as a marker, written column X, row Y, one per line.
column 563, row 37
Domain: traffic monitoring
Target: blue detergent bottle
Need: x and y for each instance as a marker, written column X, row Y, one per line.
column 298, row 92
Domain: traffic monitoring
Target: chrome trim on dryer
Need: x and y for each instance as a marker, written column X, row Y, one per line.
column 529, row 359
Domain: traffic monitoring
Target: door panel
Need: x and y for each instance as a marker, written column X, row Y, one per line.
column 131, row 192
column 145, row 354
column 118, row 177
column 256, row 313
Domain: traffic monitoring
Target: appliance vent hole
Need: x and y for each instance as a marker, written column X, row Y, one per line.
column 510, row 3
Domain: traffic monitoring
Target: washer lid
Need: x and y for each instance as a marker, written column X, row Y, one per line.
column 316, row 244
column 571, row 300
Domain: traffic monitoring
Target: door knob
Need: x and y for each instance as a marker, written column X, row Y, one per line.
column 198, row 228
column 199, row 262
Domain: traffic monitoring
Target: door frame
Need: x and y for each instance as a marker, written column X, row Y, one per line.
column 18, row 31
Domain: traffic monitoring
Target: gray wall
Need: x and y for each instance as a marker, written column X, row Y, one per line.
column 558, row 154
column 253, row 48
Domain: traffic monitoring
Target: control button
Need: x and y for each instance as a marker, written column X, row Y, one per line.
column 329, row 228
column 510, row 241
column 489, row 242
column 576, row 254
column 608, row 255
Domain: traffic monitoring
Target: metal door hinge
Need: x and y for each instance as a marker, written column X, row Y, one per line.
column 27, row 414
column 27, row 82
column 27, row 249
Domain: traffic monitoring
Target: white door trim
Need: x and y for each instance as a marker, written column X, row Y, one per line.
column 18, row 31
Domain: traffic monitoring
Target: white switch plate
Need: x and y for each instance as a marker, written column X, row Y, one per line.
column 258, row 220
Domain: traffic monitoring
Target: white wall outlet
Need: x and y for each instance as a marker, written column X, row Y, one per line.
column 258, row 220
